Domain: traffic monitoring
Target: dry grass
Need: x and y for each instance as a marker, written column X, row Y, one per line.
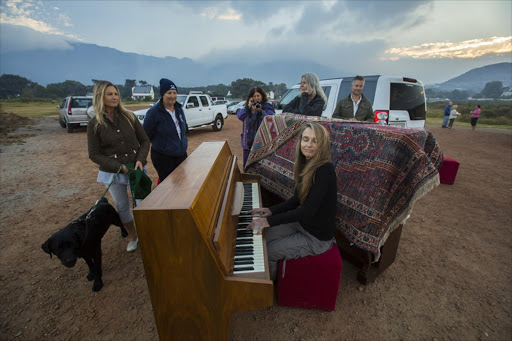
column 31, row 110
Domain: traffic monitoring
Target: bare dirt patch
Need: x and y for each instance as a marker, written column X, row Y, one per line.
column 9, row 123
column 452, row 279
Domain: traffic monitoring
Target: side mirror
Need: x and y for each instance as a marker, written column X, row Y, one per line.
column 190, row 105
column 58, row 107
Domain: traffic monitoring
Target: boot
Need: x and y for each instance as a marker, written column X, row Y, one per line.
column 132, row 235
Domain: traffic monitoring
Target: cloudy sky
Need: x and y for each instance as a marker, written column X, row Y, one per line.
column 430, row 40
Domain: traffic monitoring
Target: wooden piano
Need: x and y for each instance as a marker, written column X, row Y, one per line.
column 187, row 229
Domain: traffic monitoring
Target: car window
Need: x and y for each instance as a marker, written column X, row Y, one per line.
column 193, row 100
column 327, row 92
column 370, row 85
column 181, row 99
column 408, row 97
column 81, row 103
column 288, row 97
column 204, row 101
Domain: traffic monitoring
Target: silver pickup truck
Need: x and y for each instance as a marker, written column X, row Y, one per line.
column 199, row 111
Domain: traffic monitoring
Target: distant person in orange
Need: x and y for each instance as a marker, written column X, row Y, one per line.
column 475, row 114
column 453, row 115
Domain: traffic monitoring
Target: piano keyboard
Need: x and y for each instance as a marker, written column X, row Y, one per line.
column 249, row 246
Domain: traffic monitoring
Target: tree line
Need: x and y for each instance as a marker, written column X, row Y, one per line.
column 492, row 89
column 17, row 87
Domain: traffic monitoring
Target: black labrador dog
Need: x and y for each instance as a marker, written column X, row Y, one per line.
column 82, row 238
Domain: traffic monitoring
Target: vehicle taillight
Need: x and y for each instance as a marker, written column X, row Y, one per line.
column 69, row 106
column 381, row 116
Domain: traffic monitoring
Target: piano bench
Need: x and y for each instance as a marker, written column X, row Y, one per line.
column 310, row 282
column 448, row 170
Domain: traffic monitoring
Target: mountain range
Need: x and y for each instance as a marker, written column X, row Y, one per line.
column 84, row 62
column 474, row 80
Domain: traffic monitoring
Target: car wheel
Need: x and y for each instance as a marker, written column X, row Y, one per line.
column 218, row 123
column 69, row 128
column 62, row 122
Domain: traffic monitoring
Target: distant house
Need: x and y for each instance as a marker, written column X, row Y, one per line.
column 141, row 92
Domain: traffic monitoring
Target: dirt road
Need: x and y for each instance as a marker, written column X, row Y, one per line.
column 452, row 279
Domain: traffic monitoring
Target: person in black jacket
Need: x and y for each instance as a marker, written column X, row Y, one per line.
column 304, row 224
column 165, row 125
column 311, row 98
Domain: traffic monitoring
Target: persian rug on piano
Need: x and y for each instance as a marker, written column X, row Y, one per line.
column 381, row 171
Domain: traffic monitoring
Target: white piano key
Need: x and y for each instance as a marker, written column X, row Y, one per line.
column 257, row 239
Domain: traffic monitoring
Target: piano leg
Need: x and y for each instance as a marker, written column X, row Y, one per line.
column 363, row 259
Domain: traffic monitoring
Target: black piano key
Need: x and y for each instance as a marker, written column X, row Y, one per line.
column 243, row 253
column 244, row 242
column 243, row 262
column 244, row 233
column 243, row 268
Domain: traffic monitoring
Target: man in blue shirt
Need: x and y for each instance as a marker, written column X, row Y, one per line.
column 446, row 113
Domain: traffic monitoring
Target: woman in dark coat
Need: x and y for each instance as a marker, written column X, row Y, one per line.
column 311, row 98
column 115, row 137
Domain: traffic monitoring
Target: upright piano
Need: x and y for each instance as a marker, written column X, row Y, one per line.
column 201, row 262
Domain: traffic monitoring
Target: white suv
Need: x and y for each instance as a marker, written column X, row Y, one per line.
column 398, row 101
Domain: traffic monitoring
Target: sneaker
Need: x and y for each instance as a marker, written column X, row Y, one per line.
column 132, row 246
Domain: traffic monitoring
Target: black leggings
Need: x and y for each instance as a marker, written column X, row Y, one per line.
column 165, row 164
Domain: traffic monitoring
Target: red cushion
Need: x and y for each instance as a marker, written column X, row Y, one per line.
column 310, row 282
column 448, row 170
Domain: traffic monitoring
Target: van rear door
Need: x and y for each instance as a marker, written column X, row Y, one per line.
column 407, row 105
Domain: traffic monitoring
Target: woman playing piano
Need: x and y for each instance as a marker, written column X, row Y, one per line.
column 304, row 224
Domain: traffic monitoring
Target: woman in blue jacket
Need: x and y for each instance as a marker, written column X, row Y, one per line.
column 252, row 114
column 165, row 125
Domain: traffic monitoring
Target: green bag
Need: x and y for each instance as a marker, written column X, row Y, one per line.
column 140, row 183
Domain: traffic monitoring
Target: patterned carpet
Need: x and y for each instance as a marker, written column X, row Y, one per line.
column 382, row 171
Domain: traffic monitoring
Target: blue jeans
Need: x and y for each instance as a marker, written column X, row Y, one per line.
column 119, row 193
column 445, row 121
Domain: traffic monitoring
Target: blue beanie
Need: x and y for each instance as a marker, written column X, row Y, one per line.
column 166, row 85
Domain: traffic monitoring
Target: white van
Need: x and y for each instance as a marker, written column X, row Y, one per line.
column 398, row 101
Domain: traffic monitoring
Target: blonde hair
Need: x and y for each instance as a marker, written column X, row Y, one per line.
column 313, row 83
column 304, row 170
column 99, row 104
column 455, row 106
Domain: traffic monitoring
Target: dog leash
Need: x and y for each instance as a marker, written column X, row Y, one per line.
column 97, row 201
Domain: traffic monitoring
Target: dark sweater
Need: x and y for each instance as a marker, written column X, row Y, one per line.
column 317, row 214
column 301, row 105
column 116, row 143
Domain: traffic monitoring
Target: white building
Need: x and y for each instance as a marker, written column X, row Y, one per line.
column 141, row 92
